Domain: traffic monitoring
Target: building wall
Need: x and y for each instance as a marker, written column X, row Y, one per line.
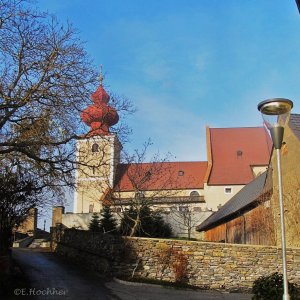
column 216, row 195
column 290, row 164
column 258, row 170
column 78, row 221
column 158, row 193
column 177, row 219
column 209, row 265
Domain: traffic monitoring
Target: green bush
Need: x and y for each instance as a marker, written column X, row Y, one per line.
column 271, row 287
column 145, row 221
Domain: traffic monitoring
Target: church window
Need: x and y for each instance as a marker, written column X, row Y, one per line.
column 183, row 208
column 180, row 173
column 139, row 195
column 95, row 148
column 198, row 209
column 91, row 208
column 173, row 208
column 194, row 194
column 228, row 190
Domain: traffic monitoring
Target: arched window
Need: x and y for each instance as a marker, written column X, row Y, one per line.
column 95, row 148
column 139, row 195
column 194, row 194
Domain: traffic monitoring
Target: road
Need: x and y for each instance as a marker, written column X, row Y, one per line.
column 53, row 278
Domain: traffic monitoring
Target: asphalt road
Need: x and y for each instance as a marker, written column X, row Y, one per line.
column 54, row 278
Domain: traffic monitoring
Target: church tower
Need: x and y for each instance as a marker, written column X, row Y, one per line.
column 98, row 154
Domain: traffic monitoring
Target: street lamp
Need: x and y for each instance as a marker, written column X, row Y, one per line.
column 275, row 113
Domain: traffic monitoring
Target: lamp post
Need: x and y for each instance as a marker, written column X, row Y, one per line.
column 275, row 113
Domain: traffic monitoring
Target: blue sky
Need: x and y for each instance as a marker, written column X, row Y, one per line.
column 186, row 64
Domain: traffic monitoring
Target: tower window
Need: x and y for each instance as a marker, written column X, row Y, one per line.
column 91, row 208
column 180, row 173
column 95, row 148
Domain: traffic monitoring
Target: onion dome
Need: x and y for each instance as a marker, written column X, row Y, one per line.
column 100, row 116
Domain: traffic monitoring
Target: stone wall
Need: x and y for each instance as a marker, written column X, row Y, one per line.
column 210, row 265
column 30, row 223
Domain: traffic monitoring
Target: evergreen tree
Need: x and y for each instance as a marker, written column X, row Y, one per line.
column 95, row 223
column 108, row 224
column 127, row 221
column 145, row 222
column 157, row 227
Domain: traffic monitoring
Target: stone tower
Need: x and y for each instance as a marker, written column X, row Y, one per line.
column 98, row 154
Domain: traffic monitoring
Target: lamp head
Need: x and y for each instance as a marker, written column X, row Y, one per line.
column 275, row 112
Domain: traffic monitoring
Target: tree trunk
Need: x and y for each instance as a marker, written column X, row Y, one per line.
column 5, row 240
column 135, row 226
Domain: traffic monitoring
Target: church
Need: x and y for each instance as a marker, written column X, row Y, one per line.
column 185, row 192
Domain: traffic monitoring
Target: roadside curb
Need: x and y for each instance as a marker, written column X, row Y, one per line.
column 132, row 283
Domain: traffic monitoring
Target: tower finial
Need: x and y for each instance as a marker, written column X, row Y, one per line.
column 101, row 76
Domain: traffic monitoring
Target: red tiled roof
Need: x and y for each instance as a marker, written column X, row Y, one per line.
column 234, row 151
column 157, row 176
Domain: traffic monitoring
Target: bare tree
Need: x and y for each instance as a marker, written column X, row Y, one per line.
column 18, row 197
column 46, row 79
column 187, row 216
column 147, row 186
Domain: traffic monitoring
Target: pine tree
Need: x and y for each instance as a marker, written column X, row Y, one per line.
column 95, row 223
column 127, row 221
column 146, row 223
column 108, row 223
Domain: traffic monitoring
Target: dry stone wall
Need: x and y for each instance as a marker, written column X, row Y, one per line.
column 209, row 265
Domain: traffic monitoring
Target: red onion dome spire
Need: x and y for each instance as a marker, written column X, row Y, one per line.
column 100, row 116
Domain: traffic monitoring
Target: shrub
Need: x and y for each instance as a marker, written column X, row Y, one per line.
column 180, row 268
column 271, row 287
column 95, row 223
column 172, row 259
